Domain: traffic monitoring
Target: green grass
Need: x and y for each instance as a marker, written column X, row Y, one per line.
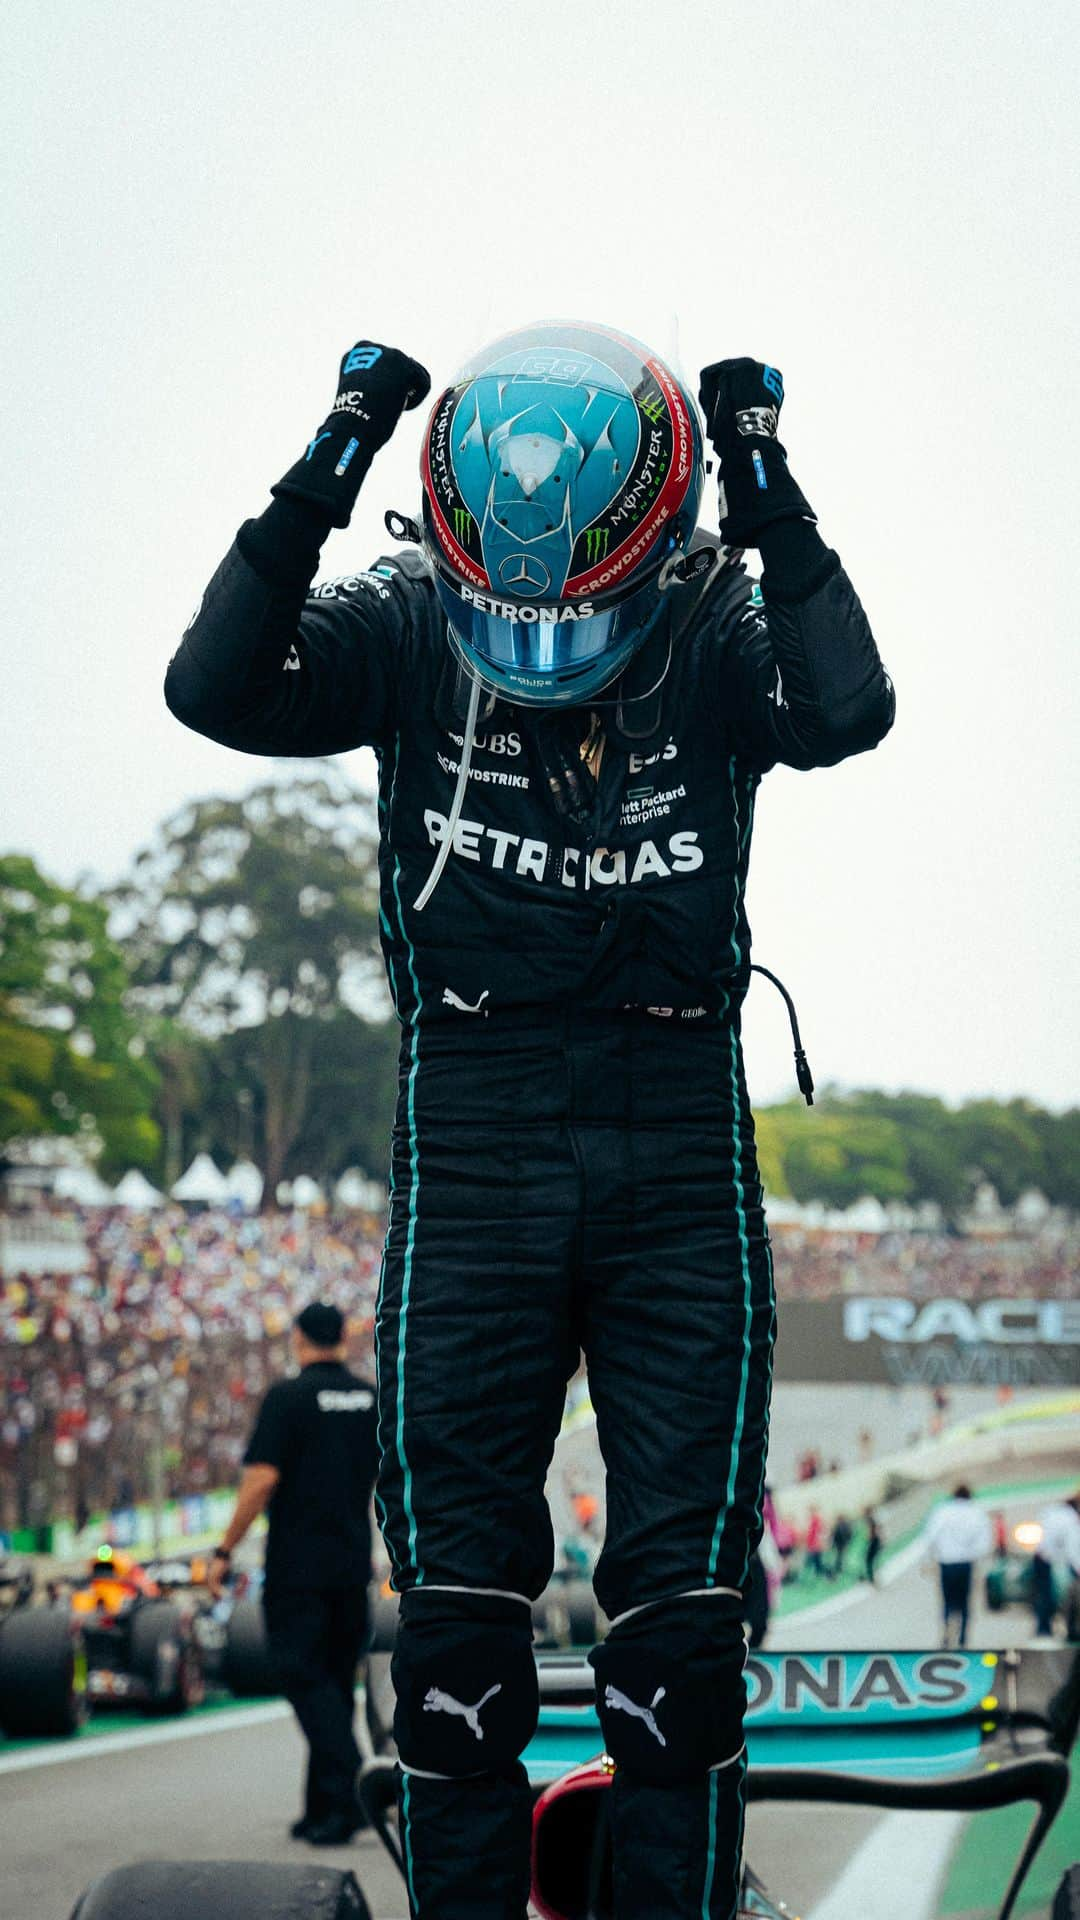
column 809, row 1588
column 988, row 1851
column 121, row 1722
column 1058, row 1488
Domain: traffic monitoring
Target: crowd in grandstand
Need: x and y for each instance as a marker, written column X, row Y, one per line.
column 159, row 1346
column 161, row 1341
column 815, row 1264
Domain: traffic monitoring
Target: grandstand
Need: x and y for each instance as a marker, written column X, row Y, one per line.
column 135, row 1340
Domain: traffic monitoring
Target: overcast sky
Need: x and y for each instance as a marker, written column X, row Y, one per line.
column 207, row 204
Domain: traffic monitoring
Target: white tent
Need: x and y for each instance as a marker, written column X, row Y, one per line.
column 1032, row 1208
column 135, row 1190
column 202, row 1182
column 784, row 1213
column 866, row 1215
column 863, row 1216
column 244, row 1183
column 354, row 1189
column 82, row 1185
column 306, row 1192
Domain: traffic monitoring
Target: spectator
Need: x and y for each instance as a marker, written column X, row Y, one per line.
column 586, row 1510
column 840, row 1541
column 782, row 1534
column 162, row 1344
column 874, row 1544
column 1056, row 1560
column 958, row 1534
column 815, row 1541
column 813, row 1263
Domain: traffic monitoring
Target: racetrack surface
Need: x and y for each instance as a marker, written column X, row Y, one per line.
column 227, row 1785
column 228, row 1794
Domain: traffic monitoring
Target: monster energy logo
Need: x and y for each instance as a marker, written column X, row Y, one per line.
column 653, row 406
column 596, row 544
column 462, row 526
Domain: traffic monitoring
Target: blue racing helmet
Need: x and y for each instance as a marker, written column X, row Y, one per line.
column 560, row 470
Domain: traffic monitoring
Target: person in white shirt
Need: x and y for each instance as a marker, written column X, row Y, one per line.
column 957, row 1534
column 1057, row 1558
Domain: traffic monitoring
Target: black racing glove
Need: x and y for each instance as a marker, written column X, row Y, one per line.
column 375, row 385
column 741, row 401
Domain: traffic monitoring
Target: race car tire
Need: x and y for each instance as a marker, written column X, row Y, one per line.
column 382, row 1619
column 547, row 1622
column 1067, row 1898
column 247, row 1668
column 42, row 1673
column 582, row 1618
column 228, row 1889
column 164, row 1656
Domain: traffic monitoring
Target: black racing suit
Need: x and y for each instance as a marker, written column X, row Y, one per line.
column 573, row 1164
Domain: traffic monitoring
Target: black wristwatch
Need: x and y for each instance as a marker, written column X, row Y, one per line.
column 221, row 1553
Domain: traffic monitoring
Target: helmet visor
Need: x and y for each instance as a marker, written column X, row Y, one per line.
column 544, row 651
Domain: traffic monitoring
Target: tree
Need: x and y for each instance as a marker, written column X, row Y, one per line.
column 253, row 924
column 843, row 1155
column 1000, row 1142
column 912, row 1146
column 353, row 1092
column 772, row 1134
column 72, row 1060
column 933, row 1151
column 183, row 1064
column 1059, row 1141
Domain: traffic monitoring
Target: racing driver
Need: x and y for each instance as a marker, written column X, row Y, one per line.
column 572, row 694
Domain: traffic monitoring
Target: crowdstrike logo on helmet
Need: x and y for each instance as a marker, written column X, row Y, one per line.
column 560, row 471
column 627, row 558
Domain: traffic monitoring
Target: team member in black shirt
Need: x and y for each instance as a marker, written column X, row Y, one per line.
column 311, row 1461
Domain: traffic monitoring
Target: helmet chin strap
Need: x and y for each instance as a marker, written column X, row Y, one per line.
column 458, row 802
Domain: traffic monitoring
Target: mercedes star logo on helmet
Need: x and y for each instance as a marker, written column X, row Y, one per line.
column 523, row 573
